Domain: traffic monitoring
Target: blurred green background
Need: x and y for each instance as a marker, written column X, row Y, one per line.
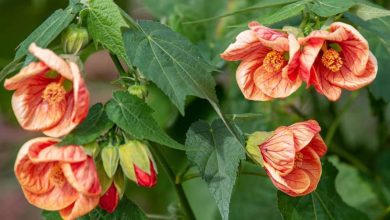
column 359, row 133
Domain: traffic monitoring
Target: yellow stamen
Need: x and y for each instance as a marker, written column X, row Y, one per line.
column 332, row 60
column 298, row 160
column 57, row 176
column 274, row 61
column 54, row 92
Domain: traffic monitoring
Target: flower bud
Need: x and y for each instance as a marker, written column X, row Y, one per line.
column 110, row 158
column 109, row 201
column 74, row 38
column 137, row 163
column 141, row 91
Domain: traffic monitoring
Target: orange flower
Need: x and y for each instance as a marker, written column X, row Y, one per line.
column 266, row 62
column 291, row 157
column 337, row 59
column 55, row 178
column 50, row 94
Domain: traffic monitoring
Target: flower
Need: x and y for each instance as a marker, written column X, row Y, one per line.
column 55, row 178
column 266, row 62
column 337, row 59
column 50, row 94
column 110, row 199
column 291, row 156
column 137, row 163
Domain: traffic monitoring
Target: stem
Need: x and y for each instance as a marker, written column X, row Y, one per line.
column 333, row 127
column 178, row 187
column 118, row 65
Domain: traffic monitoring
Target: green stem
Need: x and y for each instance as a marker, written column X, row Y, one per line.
column 178, row 187
column 118, row 65
column 333, row 127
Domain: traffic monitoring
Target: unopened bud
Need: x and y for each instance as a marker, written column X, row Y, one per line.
column 74, row 38
column 141, row 91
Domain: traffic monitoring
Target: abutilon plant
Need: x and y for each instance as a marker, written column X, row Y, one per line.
column 259, row 144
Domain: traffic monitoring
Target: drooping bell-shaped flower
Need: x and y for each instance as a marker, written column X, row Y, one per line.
column 55, row 178
column 291, row 156
column 50, row 95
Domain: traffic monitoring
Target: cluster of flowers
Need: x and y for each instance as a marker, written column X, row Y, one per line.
column 273, row 65
column 51, row 96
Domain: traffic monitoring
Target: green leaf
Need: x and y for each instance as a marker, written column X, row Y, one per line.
column 95, row 124
column 368, row 12
column 48, row 30
column 134, row 116
column 284, row 12
column 12, row 67
column 126, row 210
column 110, row 158
column 323, row 204
column 170, row 61
column 104, row 25
column 51, row 215
column 217, row 157
column 326, row 8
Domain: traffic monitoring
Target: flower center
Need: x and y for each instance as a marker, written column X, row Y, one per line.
column 54, row 93
column 57, row 176
column 332, row 60
column 274, row 61
column 298, row 160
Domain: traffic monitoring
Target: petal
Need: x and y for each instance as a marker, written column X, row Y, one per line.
column 83, row 177
column 270, row 38
column 304, row 132
column 246, row 43
column 39, row 153
column 347, row 79
column 274, row 84
column 144, row 179
column 318, row 145
column 311, row 165
column 56, row 199
column 41, row 141
column 52, row 60
column 80, row 207
column 278, row 151
column 294, row 54
column 77, row 108
column 109, row 201
column 321, row 84
column 34, row 177
column 26, row 73
column 32, row 112
column 308, row 55
column 244, row 76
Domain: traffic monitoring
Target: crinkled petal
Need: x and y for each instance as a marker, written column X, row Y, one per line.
column 304, row 132
column 347, row 79
column 77, row 108
column 32, row 71
column 321, row 84
column 278, row 151
column 293, row 67
column 246, row 43
column 80, row 207
column 83, row 177
column 270, row 38
column 318, row 145
column 39, row 153
column 274, row 84
column 311, row 164
column 52, row 60
column 244, row 75
column 56, row 199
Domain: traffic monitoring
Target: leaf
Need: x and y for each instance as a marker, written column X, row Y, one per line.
column 95, row 124
column 50, row 215
column 285, row 12
column 170, row 61
column 133, row 116
column 326, row 8
column 110, row 158
column 217, row 157
column 104, row 25
column 323, row 204
column 368, row 12
column 126, row 210
column 48, row 30
column 12, row 67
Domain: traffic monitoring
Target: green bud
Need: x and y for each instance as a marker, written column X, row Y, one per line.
column 120, row 183
column 104, row 180
column 74, row 38
column 110, row 158
column 92, row 149
column 141, row 91
column 252, row 145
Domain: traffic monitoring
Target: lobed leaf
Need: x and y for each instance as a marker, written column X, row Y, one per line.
column 217, row 157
